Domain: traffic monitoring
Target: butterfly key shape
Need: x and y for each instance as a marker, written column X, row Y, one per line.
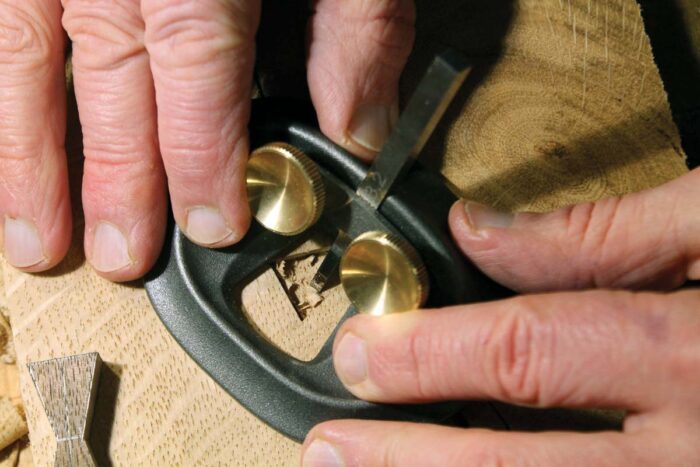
column 67, row 388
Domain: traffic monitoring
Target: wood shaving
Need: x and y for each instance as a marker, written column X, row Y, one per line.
column 7, row 351
column 13, row 426
column 293, row 272
column 14, row 444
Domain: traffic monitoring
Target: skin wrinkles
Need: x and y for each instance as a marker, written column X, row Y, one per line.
column 186, row 73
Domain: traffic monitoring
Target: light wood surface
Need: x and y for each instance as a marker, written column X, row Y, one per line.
column 565, row 105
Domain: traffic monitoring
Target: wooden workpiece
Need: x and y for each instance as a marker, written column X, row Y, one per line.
column 67, row 388
column 565, row 104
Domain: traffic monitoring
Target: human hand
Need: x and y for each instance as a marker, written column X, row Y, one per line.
column 163, row 88
column 639, row 351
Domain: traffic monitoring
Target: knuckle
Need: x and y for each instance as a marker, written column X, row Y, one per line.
column 116, row 181
column 194, row 151
column 21, row 162
column 409, row 367
column 578, row 220
column 201, row 171
column 683, row 358
column 589, row 226
column 105, row 33
column 519, row 349
column 393, row 23
column 18, row 149
column 114, row 154
column 369, row 9
column 682, row 366
column 389, row 24
column 421, row 353
column 191, row 159
column 27, row 36
column 184, row 33
column 18, row 174
column 26, row 172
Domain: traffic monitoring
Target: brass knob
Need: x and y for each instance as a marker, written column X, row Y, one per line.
column 285, row 189
column 382, row 274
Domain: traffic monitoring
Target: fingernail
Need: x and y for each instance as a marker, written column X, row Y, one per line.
column 206, row 226
column 110, row 249
column 350, row 359
column 483, row 217
column 321, row 454
column 22, row 244
column 370, row 126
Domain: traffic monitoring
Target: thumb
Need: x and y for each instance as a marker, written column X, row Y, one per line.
column 643, row 240
column 357, row 52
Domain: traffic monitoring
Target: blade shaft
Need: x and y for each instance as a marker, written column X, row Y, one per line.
column 423, row 112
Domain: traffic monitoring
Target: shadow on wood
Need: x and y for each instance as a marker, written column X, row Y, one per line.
column 104, row 412
column 574, row 164
column 677, row 52
column 483, row 25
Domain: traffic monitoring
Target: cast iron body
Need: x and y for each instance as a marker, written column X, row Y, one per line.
column 196, row 291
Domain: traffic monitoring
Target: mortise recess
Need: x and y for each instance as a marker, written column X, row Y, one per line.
column 303, row 319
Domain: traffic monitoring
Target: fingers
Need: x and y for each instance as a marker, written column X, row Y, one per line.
column 124, row 195
column 358, row 443
column 356, row 54
column 647, row 239
column 202, row 55
column 35, row 213
column 539, row 350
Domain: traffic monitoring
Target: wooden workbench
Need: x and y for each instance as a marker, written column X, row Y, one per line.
column 565, row 104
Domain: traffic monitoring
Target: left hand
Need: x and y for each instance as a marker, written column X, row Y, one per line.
column 163, row 92
column 609, row 349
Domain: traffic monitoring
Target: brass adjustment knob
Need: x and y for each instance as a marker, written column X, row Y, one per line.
column 285, row 189
column 382, row 274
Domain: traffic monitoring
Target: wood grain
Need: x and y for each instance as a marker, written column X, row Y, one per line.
column 565, row 105
column 569, row 108
column 67, row 388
